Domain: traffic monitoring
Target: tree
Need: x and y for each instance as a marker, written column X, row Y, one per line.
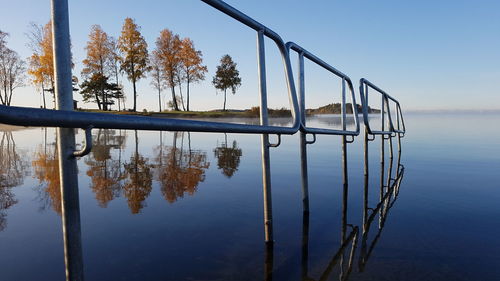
column 228, row 158
column 41, row 62
column 97, row 89
column 226, row 77
column 167, row 50
column 98, row 64
column 134, row 54
column 12, row 69
column 115, row 67
column 191, row 65
column 157, row 80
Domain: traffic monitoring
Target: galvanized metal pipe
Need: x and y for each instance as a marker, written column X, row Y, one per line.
column 303, row 53
column 266, row 162
column 70, row 203
column 363, row 91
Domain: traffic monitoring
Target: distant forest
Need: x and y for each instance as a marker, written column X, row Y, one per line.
column 335, row 108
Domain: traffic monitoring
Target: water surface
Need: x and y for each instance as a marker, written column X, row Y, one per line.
column 189, row 206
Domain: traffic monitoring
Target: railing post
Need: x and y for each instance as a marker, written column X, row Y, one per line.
column 266, row 163
column 66, row 143
column 303, row 136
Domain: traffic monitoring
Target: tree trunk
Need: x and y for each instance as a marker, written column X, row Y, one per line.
column 187, row 94
column 117, row 85
column 135, row 94
column 43, row 96
column 11, row 90
column 159, row 98
column 1, row 98
column 104, row 99
column 98, row 101
column 182, row 98
column 224, row 108
column 5, row 99
column 174, row 100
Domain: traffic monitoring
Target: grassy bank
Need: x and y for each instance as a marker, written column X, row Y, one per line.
column 248, row 113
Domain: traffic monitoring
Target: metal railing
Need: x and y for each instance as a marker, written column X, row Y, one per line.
column 386, row 119
column 66, row 119
column 303, row 53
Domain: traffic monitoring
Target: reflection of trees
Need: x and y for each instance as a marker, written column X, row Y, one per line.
column 139, row 180
column 13, row 168
column 46, row 169
column 180, row 170
column 106, row 173
column 228, row 158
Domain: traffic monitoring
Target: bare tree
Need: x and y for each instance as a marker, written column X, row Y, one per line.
column 12, row 71
column 157, row 79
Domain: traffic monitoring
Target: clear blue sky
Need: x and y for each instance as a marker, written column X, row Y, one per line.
column 429, row 54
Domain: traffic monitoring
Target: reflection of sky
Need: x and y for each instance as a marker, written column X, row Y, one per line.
column 446, row 210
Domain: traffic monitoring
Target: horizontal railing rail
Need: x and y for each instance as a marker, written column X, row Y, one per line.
column 303, row 53
column 22, row 116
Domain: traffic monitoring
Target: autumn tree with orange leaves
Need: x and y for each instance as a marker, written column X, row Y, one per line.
column 191, row 66
column 134, row 54
column 167, row 52
column 98, row 66
column 41, row 62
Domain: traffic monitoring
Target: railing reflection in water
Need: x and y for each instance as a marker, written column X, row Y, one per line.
column 388, row 193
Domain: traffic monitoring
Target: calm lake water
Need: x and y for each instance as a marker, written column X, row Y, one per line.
column 189, row 206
